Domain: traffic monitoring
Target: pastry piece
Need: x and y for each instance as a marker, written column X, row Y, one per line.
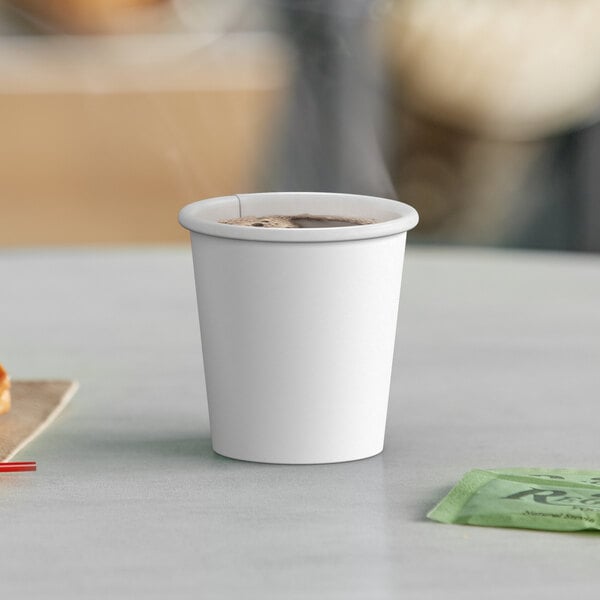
column 4, row 391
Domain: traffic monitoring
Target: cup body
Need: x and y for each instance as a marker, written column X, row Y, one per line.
column 298, row 326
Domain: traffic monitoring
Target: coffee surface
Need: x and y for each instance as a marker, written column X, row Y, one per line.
column 303, row 221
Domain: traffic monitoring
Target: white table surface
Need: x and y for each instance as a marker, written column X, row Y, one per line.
column 498, row 364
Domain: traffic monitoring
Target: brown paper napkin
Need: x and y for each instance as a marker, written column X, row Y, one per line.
column 35, row 404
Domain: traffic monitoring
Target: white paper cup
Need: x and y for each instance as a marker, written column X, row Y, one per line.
column 298, row 325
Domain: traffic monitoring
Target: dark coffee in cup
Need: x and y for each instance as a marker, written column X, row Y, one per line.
column 303, row 221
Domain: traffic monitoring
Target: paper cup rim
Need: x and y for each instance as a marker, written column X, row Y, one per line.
column 199, row 217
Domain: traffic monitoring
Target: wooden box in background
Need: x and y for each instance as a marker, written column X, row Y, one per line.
column 106, row 138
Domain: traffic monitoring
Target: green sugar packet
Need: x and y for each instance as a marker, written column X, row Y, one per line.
column 549, row 499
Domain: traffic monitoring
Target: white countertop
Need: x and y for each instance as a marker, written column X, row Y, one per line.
column 497, row 365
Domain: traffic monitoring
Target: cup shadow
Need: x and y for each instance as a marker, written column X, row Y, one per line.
column 166, row 447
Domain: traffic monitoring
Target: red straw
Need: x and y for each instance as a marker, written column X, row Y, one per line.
column 15, row 467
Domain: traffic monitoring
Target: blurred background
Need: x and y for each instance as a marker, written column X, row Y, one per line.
column 483, row 115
